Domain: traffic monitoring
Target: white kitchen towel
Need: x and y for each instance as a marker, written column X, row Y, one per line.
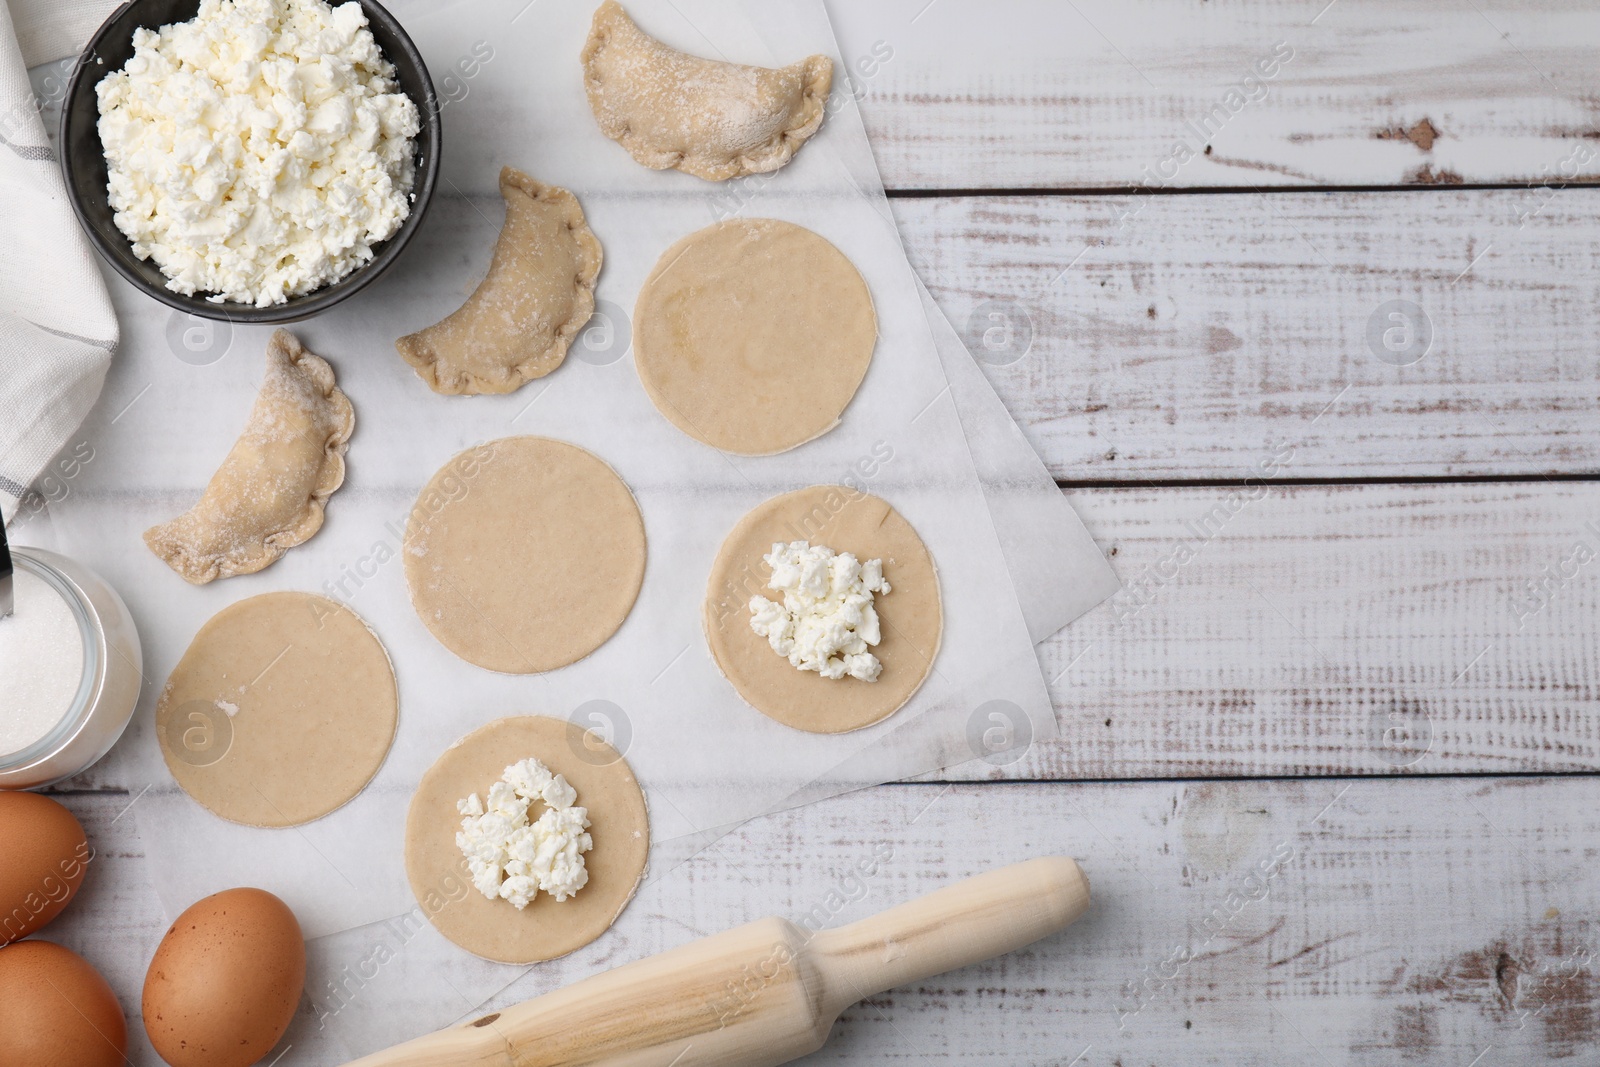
column 57, row 328
column 51, row 29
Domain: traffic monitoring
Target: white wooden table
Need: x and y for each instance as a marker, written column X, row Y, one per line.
column 1360, row 646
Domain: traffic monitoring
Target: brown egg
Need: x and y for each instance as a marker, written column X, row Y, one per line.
column 45, row 854
column 56, row 1010
column 225, row 980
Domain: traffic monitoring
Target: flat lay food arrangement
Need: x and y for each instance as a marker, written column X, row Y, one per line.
column 262, row 155
column 506, row 561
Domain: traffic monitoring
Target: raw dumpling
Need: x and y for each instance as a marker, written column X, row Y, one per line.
column 713, row 120
column 539, row 292
column 269, row 493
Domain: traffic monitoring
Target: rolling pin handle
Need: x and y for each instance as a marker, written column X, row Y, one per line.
column 962, row 924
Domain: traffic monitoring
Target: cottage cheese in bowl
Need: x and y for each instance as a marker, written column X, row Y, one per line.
column 258, row 151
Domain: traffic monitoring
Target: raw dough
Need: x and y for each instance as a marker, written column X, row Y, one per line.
column 270, row 492
column 713, row 120
column 545, row 929
column 281, row 710
column 539, row 292
column 846, row 520
column 525, row 554
column 753, row 335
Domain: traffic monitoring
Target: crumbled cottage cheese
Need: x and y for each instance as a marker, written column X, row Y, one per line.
column 826, row 622
column 259, row 150
column 513, row 859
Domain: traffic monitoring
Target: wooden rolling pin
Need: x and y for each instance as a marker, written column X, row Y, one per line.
column 761, row 994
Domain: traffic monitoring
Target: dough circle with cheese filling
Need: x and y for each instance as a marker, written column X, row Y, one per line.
column 753, row 335
column 524, row 554
column 545, row 929
column 846, row 520
column 282, row 710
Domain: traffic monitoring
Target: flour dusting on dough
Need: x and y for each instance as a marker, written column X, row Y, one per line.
column 711, row 119
column 272, row 489
column 538, row 293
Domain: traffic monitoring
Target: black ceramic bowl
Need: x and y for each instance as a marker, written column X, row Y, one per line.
column 83, row 161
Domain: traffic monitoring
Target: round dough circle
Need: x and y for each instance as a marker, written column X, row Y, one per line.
column 846, row 520
column 752, row 335
column 524, row 554
column 281, row 710
column 545, row 929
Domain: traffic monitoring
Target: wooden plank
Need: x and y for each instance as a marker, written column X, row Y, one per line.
column 1381, row 928
column 1311, row 630
column 1425, row 918
column 1288, row 630
column 1190, row 337
column 1110, row 93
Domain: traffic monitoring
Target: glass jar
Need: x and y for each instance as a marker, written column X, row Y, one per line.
column 108, row 690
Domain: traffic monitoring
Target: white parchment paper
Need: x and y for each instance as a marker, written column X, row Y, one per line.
column 180, row 390
column 360, row 981
column 1012, row 571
